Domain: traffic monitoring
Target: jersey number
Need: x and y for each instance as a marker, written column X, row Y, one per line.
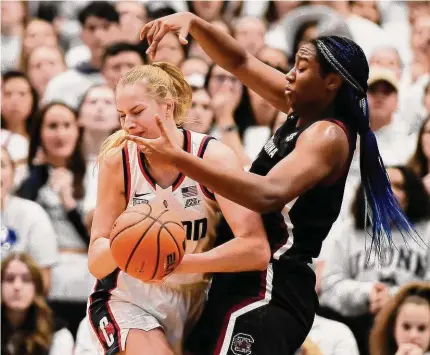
column 196, row 229
column 108, row 337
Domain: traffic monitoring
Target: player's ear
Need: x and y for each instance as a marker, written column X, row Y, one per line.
column 334, row 81
column 170, row 105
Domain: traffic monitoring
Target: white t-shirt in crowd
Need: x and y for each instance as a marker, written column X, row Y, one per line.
column 62, row 343
column 333, row 338
column 84, row 343
column 26, row 227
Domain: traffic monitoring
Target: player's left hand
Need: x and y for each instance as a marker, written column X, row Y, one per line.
column 163, row 149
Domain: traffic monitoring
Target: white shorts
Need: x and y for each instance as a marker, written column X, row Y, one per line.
column 111, row 313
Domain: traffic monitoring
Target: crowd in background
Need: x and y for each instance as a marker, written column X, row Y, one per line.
column 60, row 61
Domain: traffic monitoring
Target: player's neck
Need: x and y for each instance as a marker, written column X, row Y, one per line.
column 164, row 174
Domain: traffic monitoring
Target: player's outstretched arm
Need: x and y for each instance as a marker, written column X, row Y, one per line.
column 249, row 250
column 320, row 152
column 111, row 202
column 266, row 81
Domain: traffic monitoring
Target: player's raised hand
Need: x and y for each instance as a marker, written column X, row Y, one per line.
column 155, row 30
column 162, row 149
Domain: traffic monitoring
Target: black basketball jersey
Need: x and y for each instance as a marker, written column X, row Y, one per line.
column 300, row 231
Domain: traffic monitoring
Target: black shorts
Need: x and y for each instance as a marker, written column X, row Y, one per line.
column 258, row 313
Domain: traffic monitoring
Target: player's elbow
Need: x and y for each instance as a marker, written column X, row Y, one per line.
column 270, row 200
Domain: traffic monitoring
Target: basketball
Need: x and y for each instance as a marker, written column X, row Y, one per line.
column 147, row 242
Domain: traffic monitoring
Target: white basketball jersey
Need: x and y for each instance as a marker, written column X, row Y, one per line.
column 194, row 203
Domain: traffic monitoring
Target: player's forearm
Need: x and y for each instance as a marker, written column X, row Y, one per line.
column 246, row 189
column 100, row 260
column 238, row 254
column 220, row 46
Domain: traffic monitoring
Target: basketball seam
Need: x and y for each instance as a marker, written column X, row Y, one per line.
column 171, row 235
column 141, row 238
column 158, row 254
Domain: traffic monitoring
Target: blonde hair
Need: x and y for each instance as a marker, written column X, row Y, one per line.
column 164, row 81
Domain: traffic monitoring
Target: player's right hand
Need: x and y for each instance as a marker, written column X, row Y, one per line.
column 154, row 31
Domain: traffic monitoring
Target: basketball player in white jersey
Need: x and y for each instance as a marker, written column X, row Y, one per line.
column 125, row 314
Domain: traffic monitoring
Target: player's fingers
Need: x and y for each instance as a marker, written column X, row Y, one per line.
column 145, row 29
column 138, row 140
column 182, row 35
column 161, row 125
column 150, row 35
column 152, row 50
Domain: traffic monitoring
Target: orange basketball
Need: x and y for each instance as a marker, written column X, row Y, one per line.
column 147, row 242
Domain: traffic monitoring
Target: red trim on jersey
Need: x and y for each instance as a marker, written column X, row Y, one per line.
column 127, row 172
column 238, row 306
column 145, row 173
column 202, row 149
column 342, row 172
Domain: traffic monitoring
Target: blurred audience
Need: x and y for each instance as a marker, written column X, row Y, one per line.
column 403, row 325
column 56, row 181
column 100, row 27
column 420, row 161
column 355, row 283
column 33, row 234
column 28, row 324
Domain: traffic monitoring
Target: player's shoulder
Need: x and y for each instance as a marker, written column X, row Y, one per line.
column 219, row 153
column 326, row 134
column 111, row 160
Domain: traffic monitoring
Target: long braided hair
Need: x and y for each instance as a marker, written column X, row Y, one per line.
column 343, row 56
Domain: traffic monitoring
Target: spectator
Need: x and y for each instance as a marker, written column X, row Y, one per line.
column 132, row 17
column 387, row 57
column 354, row 284
column 98, row 117
column 56, row 181
column 37, row 33
column 195, row 70
column 201, row 115
column 13, row 19
column 208, row 10
column 366, row 9
column 420, row 161
column 33, row 234
column 170, row 50
column 28, row 325
column 274, row 57
column 43, row 64
column 19, row 106
column 403, row 325
column 250, row 32
column 19, row 103
column 118, row 59
column 100, row 27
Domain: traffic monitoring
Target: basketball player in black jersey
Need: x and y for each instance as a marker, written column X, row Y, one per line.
column 303, row 166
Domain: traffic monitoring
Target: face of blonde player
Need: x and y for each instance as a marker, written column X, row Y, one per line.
column 137, row 108
column 98, row 111
column 425, row 140
column 413, row 325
